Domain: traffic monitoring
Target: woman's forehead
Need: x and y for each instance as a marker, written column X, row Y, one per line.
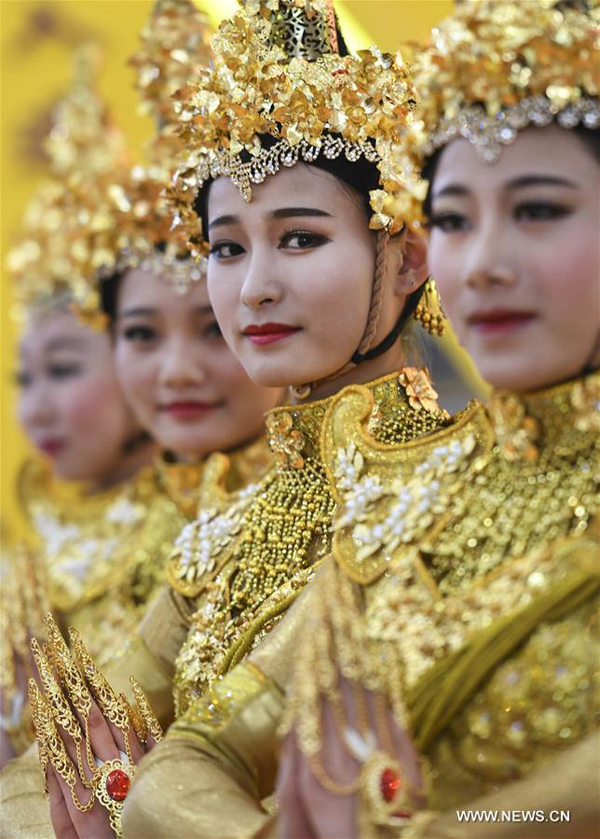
column 536, row 151
column 293, row 186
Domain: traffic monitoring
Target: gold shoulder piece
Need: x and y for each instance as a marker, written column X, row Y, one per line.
column 391, row 496
column 205, row 543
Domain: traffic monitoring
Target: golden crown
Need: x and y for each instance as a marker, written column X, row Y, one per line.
column 78, row 233
column 83, row 137
column 495, row 67
column 277, row 72
column 66, row 232
column 174, row 45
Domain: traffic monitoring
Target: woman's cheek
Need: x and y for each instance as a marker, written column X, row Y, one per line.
column 91, row 404
column 136, row 378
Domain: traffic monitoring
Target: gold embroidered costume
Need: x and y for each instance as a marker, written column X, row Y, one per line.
column 245, row 563
column 482, row 628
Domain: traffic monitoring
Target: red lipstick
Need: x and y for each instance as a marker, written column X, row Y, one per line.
column 500, row 321
column 189, row 409
column 52, row 446
column 268, row 333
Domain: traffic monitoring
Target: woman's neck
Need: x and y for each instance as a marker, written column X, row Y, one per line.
column 387, row 363
column 128, row 465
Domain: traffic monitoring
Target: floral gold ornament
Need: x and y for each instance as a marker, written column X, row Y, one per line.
column 495, row 67
column 286, row 442
column 517, row 433
column 352, row 106
column 418, row 387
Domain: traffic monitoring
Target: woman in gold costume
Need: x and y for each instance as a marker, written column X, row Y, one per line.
column 313, row 291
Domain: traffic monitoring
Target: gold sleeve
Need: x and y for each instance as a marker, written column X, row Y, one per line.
column 24, row 812
column 225, row 748
column 150, row 655
column 565, row 792
column 214, row 767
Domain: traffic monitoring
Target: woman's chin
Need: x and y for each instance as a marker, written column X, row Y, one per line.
column 512, row 374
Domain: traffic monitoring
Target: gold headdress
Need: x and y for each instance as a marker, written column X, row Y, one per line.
column 102, row 216
column 66, row 231
column 78, row 234
column 495, row 67
column 174, row 46
column 277, row 71
column 83, row 137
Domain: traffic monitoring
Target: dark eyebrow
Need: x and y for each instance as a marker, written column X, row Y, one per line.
column 540, row 180
column 148, row 311
column 294, row 212
column 138, row 311
column 451, row 189
column 222, row 220
column 517, row 183
column 284, row 212
column 65, row 343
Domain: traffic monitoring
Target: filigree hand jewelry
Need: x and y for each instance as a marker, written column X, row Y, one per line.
column 72, row 692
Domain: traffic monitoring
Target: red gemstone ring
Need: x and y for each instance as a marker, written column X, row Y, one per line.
column 112, row 783
column 117, row 784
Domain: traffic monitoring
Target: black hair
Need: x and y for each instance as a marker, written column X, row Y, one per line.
column 590, row 137
column 109, row 295
column 110, row 285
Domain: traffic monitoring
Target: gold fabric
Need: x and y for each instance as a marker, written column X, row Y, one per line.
column 102, row 557
column 493, row 674
column 24, row 811
column 225, row 748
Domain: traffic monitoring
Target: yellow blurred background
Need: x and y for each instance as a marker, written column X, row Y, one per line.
column 37, row 41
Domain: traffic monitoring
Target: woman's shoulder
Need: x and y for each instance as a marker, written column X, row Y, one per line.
column 391, row 495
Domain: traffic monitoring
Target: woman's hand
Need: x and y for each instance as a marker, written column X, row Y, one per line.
column 89, row 738
column 365, row 771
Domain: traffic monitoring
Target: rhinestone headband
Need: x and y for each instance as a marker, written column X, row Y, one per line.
column 487, row 134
